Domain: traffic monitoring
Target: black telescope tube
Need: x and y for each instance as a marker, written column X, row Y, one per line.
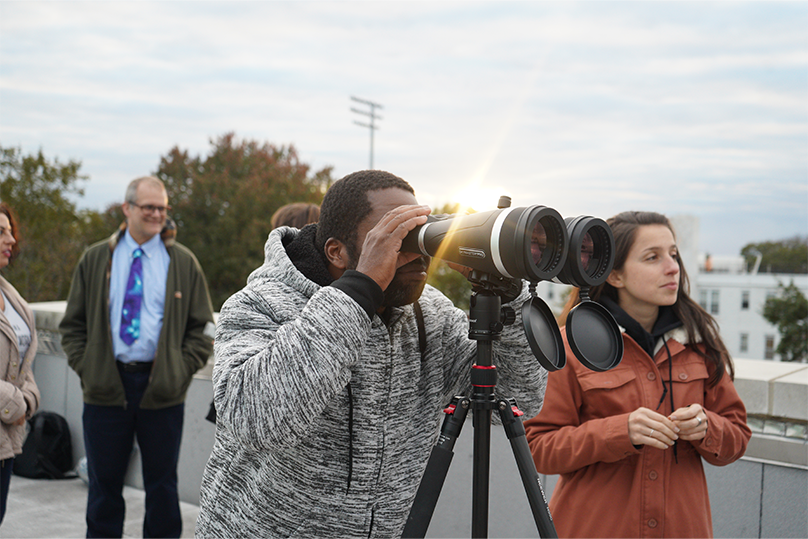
column 528, row 243
column 590, row 257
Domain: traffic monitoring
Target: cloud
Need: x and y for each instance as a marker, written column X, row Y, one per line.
column 586, row 107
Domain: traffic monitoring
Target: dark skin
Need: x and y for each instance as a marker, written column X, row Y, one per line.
column 395, row 213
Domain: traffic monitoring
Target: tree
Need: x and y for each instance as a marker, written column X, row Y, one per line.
column 53, row 232
column 784, row 256
column 789, row 313
column 223, row 203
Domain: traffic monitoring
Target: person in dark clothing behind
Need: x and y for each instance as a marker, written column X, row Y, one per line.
column 296, row 214
column 327, row 410
column 137, row 326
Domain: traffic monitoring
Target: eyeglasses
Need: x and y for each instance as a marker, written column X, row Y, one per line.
column 148, row 208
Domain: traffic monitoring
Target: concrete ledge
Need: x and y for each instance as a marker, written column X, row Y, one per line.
column 790, row 395
column 775, row 449
column 773, row 388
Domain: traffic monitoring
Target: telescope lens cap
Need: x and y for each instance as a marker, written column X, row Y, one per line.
column 543, row 335
column 594, row 336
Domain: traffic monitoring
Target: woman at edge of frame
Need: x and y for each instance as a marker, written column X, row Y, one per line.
column 628, row 443
column 19, row 395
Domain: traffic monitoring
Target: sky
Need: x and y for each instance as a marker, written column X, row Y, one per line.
column 686, row 108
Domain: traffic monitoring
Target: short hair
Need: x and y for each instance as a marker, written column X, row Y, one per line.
column 296, row 214
column 346, row 204
column 15, row 231
column 131, row 189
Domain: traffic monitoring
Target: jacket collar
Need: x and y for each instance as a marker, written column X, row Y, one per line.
column 667, row 327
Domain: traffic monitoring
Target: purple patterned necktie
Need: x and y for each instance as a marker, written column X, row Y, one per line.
column 130, row 313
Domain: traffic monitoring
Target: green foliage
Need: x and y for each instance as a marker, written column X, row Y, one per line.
column 223, row 203
column 452, row 283
column 784, row 256
column 789, row 313
column 53, row 232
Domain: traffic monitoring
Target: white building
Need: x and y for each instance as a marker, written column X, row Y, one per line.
column 736, row 301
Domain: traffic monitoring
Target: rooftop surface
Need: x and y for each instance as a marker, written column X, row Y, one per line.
column 45, row 508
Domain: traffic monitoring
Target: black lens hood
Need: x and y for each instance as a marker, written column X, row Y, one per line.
column 543, row 334
column 594, row 336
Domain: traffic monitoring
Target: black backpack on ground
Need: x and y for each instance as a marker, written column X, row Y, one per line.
column 47, row 452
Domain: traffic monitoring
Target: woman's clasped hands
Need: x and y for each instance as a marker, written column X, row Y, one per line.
column 647, row 427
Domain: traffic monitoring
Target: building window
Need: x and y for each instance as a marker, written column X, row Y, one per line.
column 745, row 300
column 714, row 302
column 744, row 342
column 703, row 299
column 769, row 351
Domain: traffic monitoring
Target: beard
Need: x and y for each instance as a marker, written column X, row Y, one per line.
column 400, row 292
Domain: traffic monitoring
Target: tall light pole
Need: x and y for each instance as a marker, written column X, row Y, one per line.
column 373, row 117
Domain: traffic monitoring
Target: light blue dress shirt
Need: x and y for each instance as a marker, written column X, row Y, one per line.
column 155, row 274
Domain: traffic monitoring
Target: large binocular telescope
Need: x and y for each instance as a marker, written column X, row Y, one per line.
column 535, row 243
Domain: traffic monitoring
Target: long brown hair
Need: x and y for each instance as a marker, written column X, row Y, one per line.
column 15, row 231
column 698, row 323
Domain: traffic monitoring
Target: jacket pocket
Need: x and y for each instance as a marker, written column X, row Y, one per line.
column 607, row 393
column 99, row 376
column 170, row 379
column 691, row 379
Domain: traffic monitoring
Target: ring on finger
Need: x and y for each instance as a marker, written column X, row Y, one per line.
column 651, row 433
column 699, row 420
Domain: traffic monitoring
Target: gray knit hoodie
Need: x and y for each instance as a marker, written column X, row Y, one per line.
column 326, row 417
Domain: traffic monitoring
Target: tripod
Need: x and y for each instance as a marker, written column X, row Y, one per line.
column 487, row 318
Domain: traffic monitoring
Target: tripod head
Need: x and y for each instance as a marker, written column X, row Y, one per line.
column 487, row 316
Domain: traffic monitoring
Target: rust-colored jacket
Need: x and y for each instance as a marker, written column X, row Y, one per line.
column 610, row 488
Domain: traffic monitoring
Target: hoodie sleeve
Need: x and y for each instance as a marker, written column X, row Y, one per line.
column 274, row 373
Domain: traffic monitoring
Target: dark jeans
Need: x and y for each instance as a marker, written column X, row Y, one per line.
column 6, row 467
column 109, row 433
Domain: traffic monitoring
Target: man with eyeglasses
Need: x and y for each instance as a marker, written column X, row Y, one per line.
column 137, row 326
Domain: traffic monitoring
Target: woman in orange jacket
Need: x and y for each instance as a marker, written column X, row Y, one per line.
column 628, row 443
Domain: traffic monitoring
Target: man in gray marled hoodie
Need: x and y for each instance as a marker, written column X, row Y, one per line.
column 327, row 409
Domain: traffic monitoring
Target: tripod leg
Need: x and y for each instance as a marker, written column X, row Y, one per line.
column 527, row 470
column 481, row 472
column 436, row 469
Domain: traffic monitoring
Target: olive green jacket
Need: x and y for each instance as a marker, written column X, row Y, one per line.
column 186, row 338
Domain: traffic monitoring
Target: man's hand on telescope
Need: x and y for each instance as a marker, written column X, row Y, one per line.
column 380, row 257
column 463, row 270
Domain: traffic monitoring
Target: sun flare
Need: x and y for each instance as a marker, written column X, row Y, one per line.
column 478, row 198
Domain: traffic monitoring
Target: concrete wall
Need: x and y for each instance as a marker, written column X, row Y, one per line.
column 765, row 494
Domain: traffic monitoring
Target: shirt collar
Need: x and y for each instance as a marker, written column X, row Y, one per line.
column 149, row 248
